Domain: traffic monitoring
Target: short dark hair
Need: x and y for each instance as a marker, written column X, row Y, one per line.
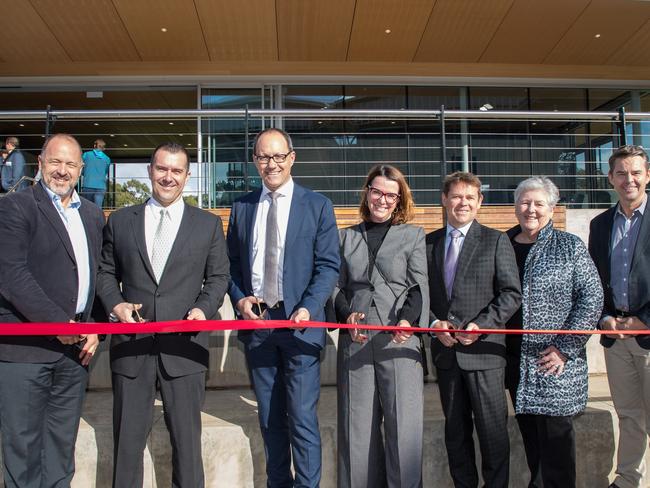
column 469, row 179
column 405, row 209
column 68, row 137
column 627, row 151
column 271, row 130
column 173, row 148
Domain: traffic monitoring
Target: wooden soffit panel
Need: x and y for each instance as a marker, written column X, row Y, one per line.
column 88, row 31
column 25, row 37
column 405, row 20
column 531, row 29
column 615, row 21
column 242, row 30
column 182, row 38
column 459, row 30
column 314, row 30
column 636, row 51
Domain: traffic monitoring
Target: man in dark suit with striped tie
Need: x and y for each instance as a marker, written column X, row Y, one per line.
column 473, row 283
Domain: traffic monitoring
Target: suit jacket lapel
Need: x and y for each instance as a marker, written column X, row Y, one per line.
column 470, row 243
column 251, row 211
column 642, row 239
column 295, row 219
column 46, row 206
column 137, row 229
column 606, row 243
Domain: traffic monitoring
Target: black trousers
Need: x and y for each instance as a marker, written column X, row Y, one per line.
column 475, row 398
column 549, row 442
column 40, row 408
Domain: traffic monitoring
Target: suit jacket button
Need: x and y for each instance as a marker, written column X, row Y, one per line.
column 451, row 317
column 157, row 294
column 372, row 288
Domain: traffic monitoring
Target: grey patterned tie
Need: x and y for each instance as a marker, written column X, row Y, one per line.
column 272, row 254
column 451, row 260
column 162, row 244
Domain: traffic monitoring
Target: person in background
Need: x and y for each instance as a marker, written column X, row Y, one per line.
column 95, row 173
column 13, row 167
column 546, row 375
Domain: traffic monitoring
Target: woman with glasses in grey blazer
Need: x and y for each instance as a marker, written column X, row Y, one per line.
column 382, row 281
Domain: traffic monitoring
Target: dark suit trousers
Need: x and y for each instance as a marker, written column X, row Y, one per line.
column 40, row 408
column 133, row 405
column 549, row 442
column 481, row 393
column 286, row 378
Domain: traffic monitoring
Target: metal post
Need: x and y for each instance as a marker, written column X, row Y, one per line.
column 621, row 126
column 199, row 152
column 47, row 121
column 246, row 143
column 443, row 145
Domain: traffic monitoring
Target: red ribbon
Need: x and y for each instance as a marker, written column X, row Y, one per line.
column 58, row 328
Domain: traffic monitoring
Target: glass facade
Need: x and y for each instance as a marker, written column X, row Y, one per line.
column 334, row 155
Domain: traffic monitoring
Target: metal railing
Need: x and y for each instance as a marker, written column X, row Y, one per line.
column 335, row 148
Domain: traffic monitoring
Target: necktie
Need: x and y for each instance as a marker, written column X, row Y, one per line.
column 162, row 244
column 272, row 254
column 451, row 260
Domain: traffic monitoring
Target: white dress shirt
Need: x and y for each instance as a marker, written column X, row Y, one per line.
column 77, row 234
column 258, row 249
column 152, row 218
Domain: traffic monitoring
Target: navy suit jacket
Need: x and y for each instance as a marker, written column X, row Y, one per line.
column 311, row 257
column 38, row 274
column 600, row 243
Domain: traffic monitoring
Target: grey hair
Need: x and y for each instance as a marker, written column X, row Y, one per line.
column 539, row 183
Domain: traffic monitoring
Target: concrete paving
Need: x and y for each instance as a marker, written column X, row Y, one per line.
column 233, row 452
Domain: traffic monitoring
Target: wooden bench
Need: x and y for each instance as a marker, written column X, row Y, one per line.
column 500, row 217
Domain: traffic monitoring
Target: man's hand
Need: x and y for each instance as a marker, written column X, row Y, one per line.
column 89, row 349
column 400, row 337
column 468, row 339
column 69, row 339
column 445, row 338
column 610, row 323
column 355, row 318
column 246, row 307
column 300, row 315
column 196, row 314
column 124, row 312
column 629, row 323
column 551, row 361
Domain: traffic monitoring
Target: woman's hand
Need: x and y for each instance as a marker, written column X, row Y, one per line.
column 400, row 337
column 355, row 318
column 551, row 361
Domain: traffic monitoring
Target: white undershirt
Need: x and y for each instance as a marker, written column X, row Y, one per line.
column 259, row 235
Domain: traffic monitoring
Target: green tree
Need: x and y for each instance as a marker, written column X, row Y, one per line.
column 131, row 192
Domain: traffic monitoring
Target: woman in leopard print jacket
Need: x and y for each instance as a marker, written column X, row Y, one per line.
column 547, row 374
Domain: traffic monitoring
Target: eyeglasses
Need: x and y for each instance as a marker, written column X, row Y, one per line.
column 376, row 194
column 278, row 158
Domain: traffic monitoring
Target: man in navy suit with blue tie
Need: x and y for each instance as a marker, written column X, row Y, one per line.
column 284, row 262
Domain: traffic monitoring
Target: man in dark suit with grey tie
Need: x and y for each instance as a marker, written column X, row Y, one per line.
column 50, row 240
column 284, row 261
column 162, row 260
column 473, row 283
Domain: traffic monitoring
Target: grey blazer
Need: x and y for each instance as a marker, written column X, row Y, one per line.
column 400, row 264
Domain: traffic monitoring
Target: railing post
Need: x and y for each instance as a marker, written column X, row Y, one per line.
column 47, row 120
column 246, row 143
column 443, row 145
column 621, row 126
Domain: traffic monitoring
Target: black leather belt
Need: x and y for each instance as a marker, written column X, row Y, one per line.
column 264, row 306
column 623, row 313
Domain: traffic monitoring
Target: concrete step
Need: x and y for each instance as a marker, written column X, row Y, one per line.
column 233, row 452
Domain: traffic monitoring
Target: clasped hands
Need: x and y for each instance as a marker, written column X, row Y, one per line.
column 621, row 323
column 358, row 334
column 458, row 337
column 247, row 307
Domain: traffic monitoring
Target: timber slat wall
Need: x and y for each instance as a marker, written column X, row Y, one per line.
column 500, row 217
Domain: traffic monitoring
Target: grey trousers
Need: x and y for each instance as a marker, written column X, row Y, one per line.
column 379, row 381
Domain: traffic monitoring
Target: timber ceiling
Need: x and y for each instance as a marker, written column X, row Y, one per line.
column 561, row 38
